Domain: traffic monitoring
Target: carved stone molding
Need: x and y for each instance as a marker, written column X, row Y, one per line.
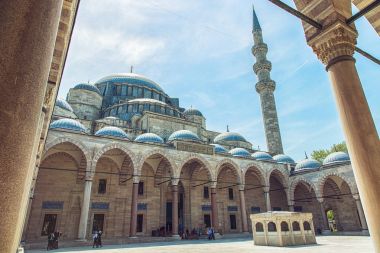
column 337, row 40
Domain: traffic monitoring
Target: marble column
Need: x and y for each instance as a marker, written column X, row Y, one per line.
column 363, row 221
column 335, row 46
column 243, row 211
column 133, row 223
column 175, row 211
column 325, row 222
column 214, row 209
column 82, row 229
column 267, row 198
column 28, row 30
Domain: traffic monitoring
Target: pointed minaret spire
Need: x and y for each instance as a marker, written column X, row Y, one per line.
column 306, row 157
column 131, row 68
column 265, row 87
column 228, row 129
column 256, row 24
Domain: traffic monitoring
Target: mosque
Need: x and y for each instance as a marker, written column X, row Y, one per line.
column 124, row 157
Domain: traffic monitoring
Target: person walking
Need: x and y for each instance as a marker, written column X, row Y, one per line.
column 50, row 241
column 212, row 233
column 100, row 238
column 95, row 239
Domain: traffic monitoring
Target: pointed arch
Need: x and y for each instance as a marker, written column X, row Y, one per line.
column 231, row 164
column 296, row 182
column 256, row 169
column 74, row 142
column 160, row 152
column 321, row 182
column 199, row 159
column 279, row 174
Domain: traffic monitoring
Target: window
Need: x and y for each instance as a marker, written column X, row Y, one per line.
column 147, row 94
column 118, row 90
column 97, row 224
column 259, row 227
column 205, row 192
column 272, row 227
column 306, row 226
column 284, row 226
column 230, row 193
column 141, row 188
column 102, row 188
column 207, row 220
column 134, row 91
column 48, row 226
column 129, row 91
column 296, row 226
column 140, row 220
column 140, row 92
column 232, row 221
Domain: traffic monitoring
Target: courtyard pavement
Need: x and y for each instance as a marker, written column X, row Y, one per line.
column 326, row 244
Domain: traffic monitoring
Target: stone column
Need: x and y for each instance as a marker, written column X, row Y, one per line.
column 133, row 223
column 175, row 211
column 325, row 223
column 243, row 210
column 335, row 46
column 214, row 209
column 28, row 29
column 82, row 230
column 267, row 198
column 360, row 212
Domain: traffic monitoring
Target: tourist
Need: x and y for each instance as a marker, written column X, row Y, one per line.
column 209, row 236
column 50, row 241
column 212, row 233
column 100, row 238
column 56, row 238
column 95, row 239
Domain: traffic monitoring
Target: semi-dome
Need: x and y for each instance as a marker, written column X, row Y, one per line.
column 183, row 135
column 219, row 148
column 308, row 164
column 229, row 136
column 336, row 157
column 87, row 86
column 193, row 112
column 281, row 158
column 150, row 138
column 262, row 156
column 112, row 131
column 63, row 104
column 68, row 124
column 241, row 152
column 131, row 78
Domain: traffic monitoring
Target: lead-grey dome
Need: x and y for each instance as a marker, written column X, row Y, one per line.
column 183, row 135
column 68, row 124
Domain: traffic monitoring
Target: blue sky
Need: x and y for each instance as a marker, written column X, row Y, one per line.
column 200, row 52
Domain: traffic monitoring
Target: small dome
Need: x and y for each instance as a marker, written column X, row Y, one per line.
column 183, row 135
column 112, row 132
column 262, row 156
column 68, row 124
column 219, row 148
column 131, row 78
column 193, row 111
column 150, row 138
column 229, row 136
column 308, row 164
column 281, row 158
column 87, row 86
column 336, row 157
column 239, row 152
column 63, row 104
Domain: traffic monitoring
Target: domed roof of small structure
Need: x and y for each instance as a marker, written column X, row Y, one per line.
column 307, row 163
column 87, row 86
column 68, row 124
column 262, row 156
column 219, row 148
column 63, row 104
column 150, row 138
column 229, row 136
column 336, row 157
column 193, row 111
column 281, row 158
column 112, row 131
column 183, row 135
column 131, row 78
column 241, row 152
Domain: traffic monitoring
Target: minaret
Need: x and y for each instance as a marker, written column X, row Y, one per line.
column 265, row 87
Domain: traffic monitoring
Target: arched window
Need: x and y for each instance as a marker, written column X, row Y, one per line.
column 306, row 226
column 272, row 227
column 259, row 227
column 296, row 226
column 284, row 226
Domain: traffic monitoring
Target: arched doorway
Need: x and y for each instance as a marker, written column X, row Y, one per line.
column 338, row 199
column 277, row 191
column 229, row 214
column 254, row 193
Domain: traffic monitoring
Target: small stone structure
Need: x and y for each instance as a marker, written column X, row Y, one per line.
column 283, row 228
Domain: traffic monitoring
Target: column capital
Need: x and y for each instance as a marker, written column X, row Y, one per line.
column 356, row 196
column 213, row 184
column 136, row 179
column 336, row 41
column 174, row 181
column 320, row 199
column 266, row 189
column 241, row 187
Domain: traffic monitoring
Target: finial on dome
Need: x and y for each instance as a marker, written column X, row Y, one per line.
column 228, row 129
column 256, row 24
column 306, row 157
column 131, row 68
column 258, row 147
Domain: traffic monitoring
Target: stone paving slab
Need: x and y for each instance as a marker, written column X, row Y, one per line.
column 326, row 244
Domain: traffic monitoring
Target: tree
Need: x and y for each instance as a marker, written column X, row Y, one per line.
column 321, row 154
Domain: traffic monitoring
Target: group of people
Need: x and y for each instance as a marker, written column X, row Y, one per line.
column 97, row 238
column 194, row 234
column 53, row 238
column 211, row 233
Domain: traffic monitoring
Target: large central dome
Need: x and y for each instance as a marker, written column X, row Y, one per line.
column 131, row 78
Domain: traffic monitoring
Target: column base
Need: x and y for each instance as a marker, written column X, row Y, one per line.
column 133, row 237
column 365, row 232
column 177, row 237
column 217, row 235
column 20, row 250
column 81, row 240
